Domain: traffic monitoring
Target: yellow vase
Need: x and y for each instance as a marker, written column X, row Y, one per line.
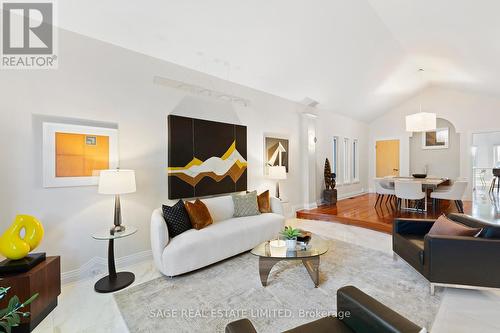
column 12, row 246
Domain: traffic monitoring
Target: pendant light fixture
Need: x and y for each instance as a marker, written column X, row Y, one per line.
column 421, row 121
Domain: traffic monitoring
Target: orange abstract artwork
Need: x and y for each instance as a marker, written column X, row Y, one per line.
column 80, row 155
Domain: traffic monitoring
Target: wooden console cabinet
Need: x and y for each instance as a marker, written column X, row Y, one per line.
column 44, row 279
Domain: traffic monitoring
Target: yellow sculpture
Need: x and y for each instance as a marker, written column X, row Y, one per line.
column 12, row 246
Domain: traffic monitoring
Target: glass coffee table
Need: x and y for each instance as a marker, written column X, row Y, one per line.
column 269, row 255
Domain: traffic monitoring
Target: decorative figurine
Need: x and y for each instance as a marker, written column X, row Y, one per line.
column 330, row 193
column 12, row 246
column 329, row 176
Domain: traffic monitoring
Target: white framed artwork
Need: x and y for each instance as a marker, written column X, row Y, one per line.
column 437, row 139
column 73, row 155
column 276, row 151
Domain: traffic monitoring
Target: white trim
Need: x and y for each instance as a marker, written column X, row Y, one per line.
column 335, row 155
column 341, row 197
column 460, row 286
column 346, row 171
column 99, row 265
column 351, row 194
column 310, row 205
column 49, row 153
column 355, row 161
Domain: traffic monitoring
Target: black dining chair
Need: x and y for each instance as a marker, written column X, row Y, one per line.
column 495, row 182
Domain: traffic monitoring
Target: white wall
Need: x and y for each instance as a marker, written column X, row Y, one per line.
column 330, row 125
column 469, row 112
column 100, row 82
column 104, row 85
column 485, row 143
column 439, row 162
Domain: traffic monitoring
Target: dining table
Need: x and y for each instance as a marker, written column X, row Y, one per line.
column 428, row 184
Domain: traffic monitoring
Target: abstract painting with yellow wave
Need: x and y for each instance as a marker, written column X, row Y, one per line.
column 205, row 157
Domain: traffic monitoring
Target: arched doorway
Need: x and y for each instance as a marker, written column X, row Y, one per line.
column 436, row 159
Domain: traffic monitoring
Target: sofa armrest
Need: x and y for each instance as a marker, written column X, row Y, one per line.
column 276, row 206
column 412, row 226
column 463, row 260
column 240, row 326
column 159, row 237
column 362, row 313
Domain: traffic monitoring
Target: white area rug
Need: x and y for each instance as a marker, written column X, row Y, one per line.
column 208, row 299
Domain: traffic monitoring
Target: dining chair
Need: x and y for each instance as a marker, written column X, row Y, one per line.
column 453, row 193
column 482, row 178
column 496, row 180
column 410, row 191
column 384, row 188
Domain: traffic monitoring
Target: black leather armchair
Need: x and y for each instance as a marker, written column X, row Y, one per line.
column 453, row 261
column 361, row 313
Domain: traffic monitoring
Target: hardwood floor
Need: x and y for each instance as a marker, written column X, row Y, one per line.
column 361, row 211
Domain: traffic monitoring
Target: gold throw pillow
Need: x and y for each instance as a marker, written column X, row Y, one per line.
column 198, row 214
column 264, row 202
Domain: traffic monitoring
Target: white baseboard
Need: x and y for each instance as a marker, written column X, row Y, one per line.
column 345, row 196
column 351, row 194
column 310, row 205
column 99, row 265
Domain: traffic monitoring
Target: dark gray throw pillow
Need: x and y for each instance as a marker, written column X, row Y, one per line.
column 177, row 219
column 245, row 204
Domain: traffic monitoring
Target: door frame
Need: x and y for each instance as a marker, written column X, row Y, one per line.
column 470, row 171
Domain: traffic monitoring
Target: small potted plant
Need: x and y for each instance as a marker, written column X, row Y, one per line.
column 290, row 234
column 11, row 316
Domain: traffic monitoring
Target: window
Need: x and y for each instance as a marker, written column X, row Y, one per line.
column 496, row 156
column 347, row 178
column 355, row 161
column 335, row 154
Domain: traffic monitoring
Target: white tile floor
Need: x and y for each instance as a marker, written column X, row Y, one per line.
column 82, row 310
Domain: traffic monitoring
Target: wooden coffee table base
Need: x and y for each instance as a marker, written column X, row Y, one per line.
column 267, row 263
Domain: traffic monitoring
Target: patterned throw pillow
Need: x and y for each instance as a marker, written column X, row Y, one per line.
column 177, row 219
column 245, row 204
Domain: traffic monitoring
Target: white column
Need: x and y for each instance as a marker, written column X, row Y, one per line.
column 308, row 151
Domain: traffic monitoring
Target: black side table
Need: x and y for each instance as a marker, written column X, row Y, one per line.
column 114, row 281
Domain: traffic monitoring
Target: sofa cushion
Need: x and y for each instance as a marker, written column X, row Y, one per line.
column 323, row 325
column 446, row 227
column 264, row 202
column 245, row 204
column 198, row 214
column 177, row 219
column 490, row 232
column 416, row 240
column 409, row 248
column 220, row 208
column 218, row 241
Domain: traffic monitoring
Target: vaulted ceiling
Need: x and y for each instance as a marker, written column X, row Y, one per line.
column 355, row 57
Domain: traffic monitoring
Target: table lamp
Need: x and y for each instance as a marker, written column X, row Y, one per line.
column 277, row 173
column 117, row 182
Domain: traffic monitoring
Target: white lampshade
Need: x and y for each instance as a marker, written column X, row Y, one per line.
column 421, row 122
column 277, row 172
column 117, row 181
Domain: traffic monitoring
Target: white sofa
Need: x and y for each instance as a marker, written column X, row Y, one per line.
column 226, row 237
